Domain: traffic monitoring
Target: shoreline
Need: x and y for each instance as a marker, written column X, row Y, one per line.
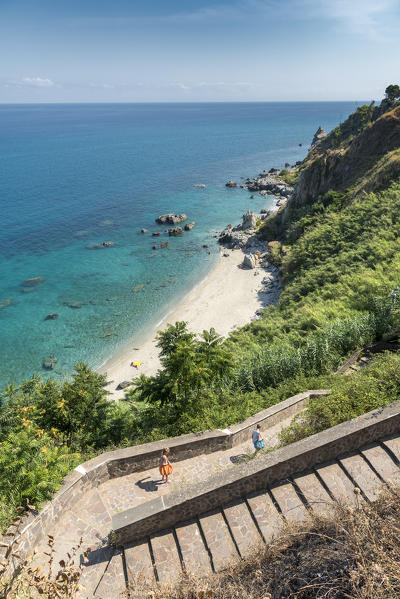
column 228, row 298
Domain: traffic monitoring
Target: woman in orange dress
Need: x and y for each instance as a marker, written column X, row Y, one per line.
column 165, row 465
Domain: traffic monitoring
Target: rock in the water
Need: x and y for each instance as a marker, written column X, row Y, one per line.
column 156, row 234
column 264, row 211
column 189, row 226
column 49, row 363
column 171, row 219
column 5, row 302
column 143, row 230
column 249, row 220
column 201, row 185
column 161, row 246
column 124, row 384
column 205, row 245
column 231, row 184
column 319, row 134
column 33, row 282
column 100, row 246
column 75, row 305
column 175, row 232
column 138, row 288
column 51, row 316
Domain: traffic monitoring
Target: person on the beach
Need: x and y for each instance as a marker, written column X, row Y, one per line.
column 257, row 438
column 165, row 465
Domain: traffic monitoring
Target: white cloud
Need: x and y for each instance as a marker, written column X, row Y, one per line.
column 37, row 82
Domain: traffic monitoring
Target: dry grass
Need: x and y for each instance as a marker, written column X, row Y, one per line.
column 355, row 554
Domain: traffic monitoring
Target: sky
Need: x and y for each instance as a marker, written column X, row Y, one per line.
column 197, row 50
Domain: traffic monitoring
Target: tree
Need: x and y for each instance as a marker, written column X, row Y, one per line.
column 167, row 340
column 392, row 92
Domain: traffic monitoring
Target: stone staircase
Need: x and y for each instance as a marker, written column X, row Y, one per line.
column 210, row 541
column 219, row 505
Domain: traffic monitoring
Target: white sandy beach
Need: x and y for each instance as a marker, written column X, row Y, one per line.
column 228, row 298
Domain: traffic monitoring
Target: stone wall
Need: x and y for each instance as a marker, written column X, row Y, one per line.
column 255, row 475
column 142, row 457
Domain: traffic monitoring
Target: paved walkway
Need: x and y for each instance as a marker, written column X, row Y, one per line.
column 209, row 542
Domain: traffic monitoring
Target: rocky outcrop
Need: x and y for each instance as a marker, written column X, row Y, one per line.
column 189, row 226
column 339, row 169
column 249, row 220
column 267, row 183
column 200, row 185
column 49, row 363
column 51, row 316
column 318, row 136
column 175, row 232
column 250, row 260
column 171, row 219
column 231, row 184
column 160, row 246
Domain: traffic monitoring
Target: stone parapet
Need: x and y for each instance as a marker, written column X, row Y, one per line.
column 255, row 475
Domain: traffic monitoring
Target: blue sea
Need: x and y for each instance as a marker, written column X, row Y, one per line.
column 75, row 175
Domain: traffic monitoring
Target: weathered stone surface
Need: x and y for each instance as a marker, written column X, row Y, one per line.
column 268, row 518
column 338, row 483
column 250, row 261
column 289, row 502
column 383, row 463
column 124, row 384
column 231, row 184
column 171, row 219
column 314, row 493
column 166, row 556
column 138, row 564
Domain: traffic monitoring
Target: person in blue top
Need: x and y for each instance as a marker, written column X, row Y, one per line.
column 257, row 438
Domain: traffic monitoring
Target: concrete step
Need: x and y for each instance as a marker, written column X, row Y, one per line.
column 339, row 484
column 139, row 565
column 92, row 510
column 268, row 518
column 218, row 538
column 242, row 527
column 381, row 461
column 289, row 502
column 363, row 476
column 166, row 557
column 93, row 570
column 112, row 583
column 314, row 493
column 195, row 555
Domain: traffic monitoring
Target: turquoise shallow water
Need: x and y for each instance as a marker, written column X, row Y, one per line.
column 71, row 175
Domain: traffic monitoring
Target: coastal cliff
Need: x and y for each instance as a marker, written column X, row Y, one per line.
column 347, row 160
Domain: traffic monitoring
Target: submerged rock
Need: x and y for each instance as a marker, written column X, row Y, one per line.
column 74, row 305
column 50, row 362
column 201, row 185
column 33, row 282
column 231, row 184
column 5, row 302
column 138, row 288
column 161, row 246
column 156, row 233
column 171, row 219
column 143, row 230
column 189, row 226
column 51, row 316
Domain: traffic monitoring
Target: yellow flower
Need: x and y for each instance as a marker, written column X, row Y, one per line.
column 61, row 403
column 40, row 432
column 44, row 449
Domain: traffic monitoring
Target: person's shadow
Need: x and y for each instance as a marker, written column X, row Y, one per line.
column 239, row 459
column 149, row 485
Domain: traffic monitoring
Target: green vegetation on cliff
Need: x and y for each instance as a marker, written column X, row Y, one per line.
column 343, row 229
